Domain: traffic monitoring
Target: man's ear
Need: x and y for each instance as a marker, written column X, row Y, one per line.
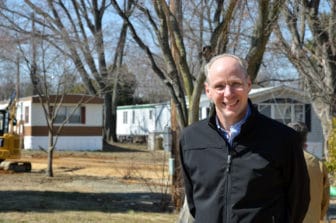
column 207, row 89
column 249, row 83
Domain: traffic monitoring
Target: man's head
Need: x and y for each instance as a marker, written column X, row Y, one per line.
column 302, row 129
column 227, row 86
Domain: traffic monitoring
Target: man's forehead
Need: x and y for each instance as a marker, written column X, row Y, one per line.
column 225, row 60
column 226, row 67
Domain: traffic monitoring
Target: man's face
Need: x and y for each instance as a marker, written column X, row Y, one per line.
column 228, row 87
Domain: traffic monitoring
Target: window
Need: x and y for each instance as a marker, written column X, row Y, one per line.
column 285, row 112
column 133, row 117
column 125, row 117
column 150, row 114
column 69, row 112
column 207, row 111
column 265, row 109
column 204, row 113
column 200, row 113
column 83, row 115
column 2, row 123
column 299, row 112
column 26, row 114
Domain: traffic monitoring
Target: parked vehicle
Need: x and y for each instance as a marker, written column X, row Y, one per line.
column 10, row 140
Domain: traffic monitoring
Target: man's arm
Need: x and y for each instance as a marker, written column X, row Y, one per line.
column 298, row 192
column 187, row 185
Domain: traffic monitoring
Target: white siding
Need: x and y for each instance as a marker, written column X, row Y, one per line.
column 94, row 115
column 162, row 117
column 147, row 118
column 316, row 148
column 37, row 115
column 20, row 112
column 65, row 143
column 141, row 125
column 315, row 138
column 316, row 133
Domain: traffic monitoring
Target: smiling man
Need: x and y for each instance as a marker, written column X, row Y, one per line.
column 240, row 166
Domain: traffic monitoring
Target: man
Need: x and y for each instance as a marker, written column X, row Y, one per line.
column 319, row 182
column 238, row 165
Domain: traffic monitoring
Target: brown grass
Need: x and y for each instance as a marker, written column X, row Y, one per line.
column 124, row 183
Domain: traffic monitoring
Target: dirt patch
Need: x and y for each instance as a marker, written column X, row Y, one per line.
column 117, row 180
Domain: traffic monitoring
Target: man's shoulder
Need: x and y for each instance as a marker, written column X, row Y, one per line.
column 197, row 130
column 273, row 126
column 201, row 134
column 197, row 125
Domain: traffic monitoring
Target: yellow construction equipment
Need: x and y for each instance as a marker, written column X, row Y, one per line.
column 10, row 140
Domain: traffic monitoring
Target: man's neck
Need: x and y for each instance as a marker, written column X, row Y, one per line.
column 226, row 124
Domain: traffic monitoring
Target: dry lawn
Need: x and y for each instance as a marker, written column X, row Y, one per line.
column 122, row 184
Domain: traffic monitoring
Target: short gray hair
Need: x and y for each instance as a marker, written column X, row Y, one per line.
column 242, row 63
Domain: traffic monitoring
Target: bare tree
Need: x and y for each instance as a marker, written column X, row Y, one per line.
column 10, row 65
column 308, row 39
column 51, row 84
column 82, row 31
column 167, row 32
column 212, row 34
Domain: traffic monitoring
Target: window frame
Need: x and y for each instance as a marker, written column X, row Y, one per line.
column 68, row 112
column 295, row 108
column 125, row 117
column 26, row 114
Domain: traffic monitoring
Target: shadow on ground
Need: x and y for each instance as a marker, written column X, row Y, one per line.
column 114, row 148
column 50, row 201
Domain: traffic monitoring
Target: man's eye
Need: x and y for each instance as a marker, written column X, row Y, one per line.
column 236, row 85
column 219, row 88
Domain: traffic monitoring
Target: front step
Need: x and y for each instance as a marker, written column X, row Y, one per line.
column 16, row 166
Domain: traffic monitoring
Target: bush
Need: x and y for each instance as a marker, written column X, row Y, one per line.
column 331, row 163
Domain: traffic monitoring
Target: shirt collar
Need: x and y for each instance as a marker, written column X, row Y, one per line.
column 235, row 128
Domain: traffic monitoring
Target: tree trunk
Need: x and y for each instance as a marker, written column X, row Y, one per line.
column 109, row 120
column 177, row 181
column 51, row 147
column 114, row 108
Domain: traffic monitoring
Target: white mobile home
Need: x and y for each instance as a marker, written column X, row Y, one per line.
column 82, row 132
column 140, row 120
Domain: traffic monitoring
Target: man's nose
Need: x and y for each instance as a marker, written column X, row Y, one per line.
column 227, row 90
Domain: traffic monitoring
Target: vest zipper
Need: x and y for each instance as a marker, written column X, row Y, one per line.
column 228, row 167
column 228, row 188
